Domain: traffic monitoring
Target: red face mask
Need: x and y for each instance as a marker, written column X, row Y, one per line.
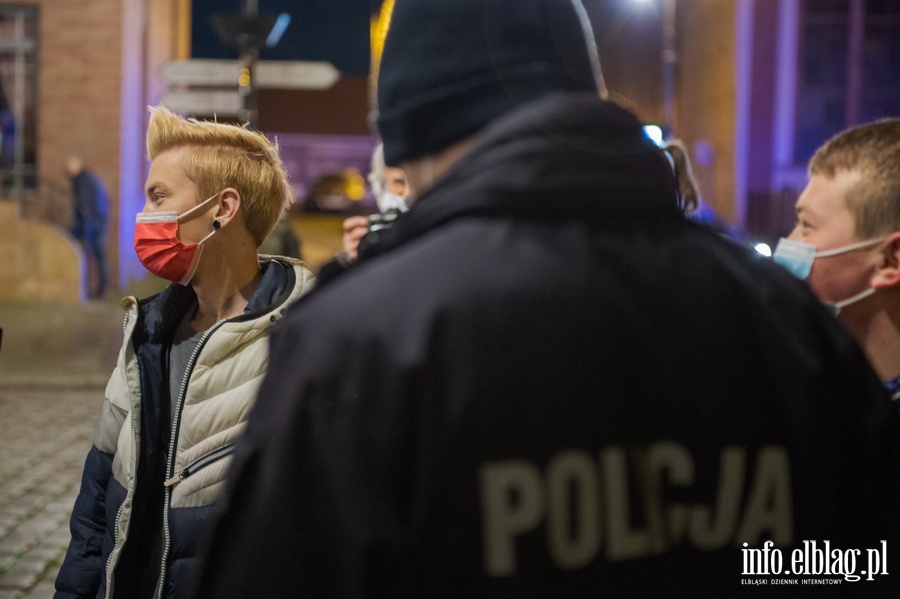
column 159, row 250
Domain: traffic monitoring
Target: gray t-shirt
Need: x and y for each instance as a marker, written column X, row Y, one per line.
column 183, row 345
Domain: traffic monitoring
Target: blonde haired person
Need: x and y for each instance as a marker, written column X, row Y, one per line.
column 191, row 361
column 846, row 241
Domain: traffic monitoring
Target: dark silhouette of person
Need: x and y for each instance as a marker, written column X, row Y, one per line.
column 543, row 380
column 90, row 204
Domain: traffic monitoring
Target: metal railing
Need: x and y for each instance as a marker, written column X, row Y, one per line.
column 40, row 199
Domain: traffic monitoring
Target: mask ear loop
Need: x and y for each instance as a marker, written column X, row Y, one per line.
column 198, row 206
column 836, row 307
column 211, row 233
column 193, row 268
column 216, row 224
column 855, row 298
column 848, row 248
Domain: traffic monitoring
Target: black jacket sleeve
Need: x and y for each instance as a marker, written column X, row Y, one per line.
column 82, row 569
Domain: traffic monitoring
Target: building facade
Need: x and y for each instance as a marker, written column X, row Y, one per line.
column 750, row 86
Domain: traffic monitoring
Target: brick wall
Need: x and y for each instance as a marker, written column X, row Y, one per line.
column 80, row 49
column 98, row 64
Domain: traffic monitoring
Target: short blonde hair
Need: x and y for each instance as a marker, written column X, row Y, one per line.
column 873, row 151
column 227, row 156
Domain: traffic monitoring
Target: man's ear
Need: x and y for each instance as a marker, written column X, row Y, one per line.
column 888, row 272
column 229, row 205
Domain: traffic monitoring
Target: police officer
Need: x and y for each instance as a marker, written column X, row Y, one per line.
column 543, row 380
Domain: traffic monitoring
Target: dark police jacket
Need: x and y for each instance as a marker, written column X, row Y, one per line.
column 545, row 382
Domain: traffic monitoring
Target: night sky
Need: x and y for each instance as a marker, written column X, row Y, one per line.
column 336, row 31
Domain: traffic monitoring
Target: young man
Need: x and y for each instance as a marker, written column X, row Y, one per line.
column 544, row 381
column 846, row 242
column 192, row 359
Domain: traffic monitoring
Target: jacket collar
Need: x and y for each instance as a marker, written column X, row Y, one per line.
column 160, row 314
column 566, row 156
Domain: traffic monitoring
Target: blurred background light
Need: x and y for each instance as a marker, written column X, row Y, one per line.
column 281, row 24
column 654, row 132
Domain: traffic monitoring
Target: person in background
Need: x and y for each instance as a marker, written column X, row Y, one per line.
column 192, row 359
column 543, row 380
column 282, row 241
column 391, row 191
column 693, row 204
column 90, row 204
column 846, row 242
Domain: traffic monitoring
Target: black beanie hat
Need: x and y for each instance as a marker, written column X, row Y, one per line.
column 449, row 67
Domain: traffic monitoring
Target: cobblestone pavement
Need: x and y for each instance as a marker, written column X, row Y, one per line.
column 44, row 437
column 54, row 363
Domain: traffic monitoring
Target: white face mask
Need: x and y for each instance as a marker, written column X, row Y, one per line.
column 798, row 258
column 388, row 200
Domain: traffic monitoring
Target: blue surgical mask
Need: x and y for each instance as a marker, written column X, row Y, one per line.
column 798, row 257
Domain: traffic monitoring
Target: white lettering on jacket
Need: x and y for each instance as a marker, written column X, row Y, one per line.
column 586, row 505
